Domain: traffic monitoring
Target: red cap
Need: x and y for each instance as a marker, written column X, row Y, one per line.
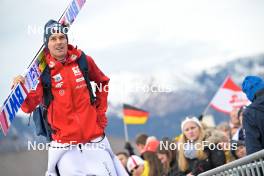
column 151, row 146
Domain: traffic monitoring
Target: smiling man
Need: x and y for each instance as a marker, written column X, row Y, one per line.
column 76, row 118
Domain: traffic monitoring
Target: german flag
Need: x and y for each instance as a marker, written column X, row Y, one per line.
column 134, row 116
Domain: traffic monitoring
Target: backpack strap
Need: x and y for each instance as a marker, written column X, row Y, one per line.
column 83, row 65
column 46, row 84
column 47, row 98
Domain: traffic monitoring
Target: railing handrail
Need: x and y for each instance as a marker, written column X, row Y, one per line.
column 236, row 163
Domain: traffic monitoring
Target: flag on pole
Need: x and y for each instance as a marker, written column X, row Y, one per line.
column 229, row 96
column 133, row 115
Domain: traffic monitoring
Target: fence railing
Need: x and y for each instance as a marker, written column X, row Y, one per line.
column 251, row 165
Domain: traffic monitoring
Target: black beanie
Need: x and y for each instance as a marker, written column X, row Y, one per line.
column 52, row 27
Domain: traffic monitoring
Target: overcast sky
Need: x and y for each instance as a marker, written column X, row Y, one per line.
column 136, row 36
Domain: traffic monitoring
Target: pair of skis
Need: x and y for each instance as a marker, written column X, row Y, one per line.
column 19, row 93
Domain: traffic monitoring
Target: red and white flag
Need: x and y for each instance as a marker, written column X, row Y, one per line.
column 229, row 96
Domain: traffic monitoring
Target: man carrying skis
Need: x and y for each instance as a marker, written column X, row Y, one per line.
column 77, row 123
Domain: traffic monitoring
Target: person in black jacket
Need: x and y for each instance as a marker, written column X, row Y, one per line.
column 253, row 116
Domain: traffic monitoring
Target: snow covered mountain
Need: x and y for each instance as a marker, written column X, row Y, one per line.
column 167, row 109
column 178, row 93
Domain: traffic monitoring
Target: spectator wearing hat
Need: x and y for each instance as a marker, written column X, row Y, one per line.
column 194, row 157
column 253, row 116
column 137, row 166
column 150, row 156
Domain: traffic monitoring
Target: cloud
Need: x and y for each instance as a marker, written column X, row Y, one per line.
column 140, row 36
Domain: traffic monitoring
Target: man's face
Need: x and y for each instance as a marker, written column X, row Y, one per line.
column 57, row 45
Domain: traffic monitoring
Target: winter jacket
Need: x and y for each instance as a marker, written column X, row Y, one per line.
column 72, row 117
column 253, row 123
column 215, row 157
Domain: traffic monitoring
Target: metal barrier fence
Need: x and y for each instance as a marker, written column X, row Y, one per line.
column 251, row 165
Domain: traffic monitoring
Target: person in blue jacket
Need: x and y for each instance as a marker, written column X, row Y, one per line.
column 253, row 120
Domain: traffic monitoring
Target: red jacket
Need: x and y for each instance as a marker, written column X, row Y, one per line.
column 70, row 114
